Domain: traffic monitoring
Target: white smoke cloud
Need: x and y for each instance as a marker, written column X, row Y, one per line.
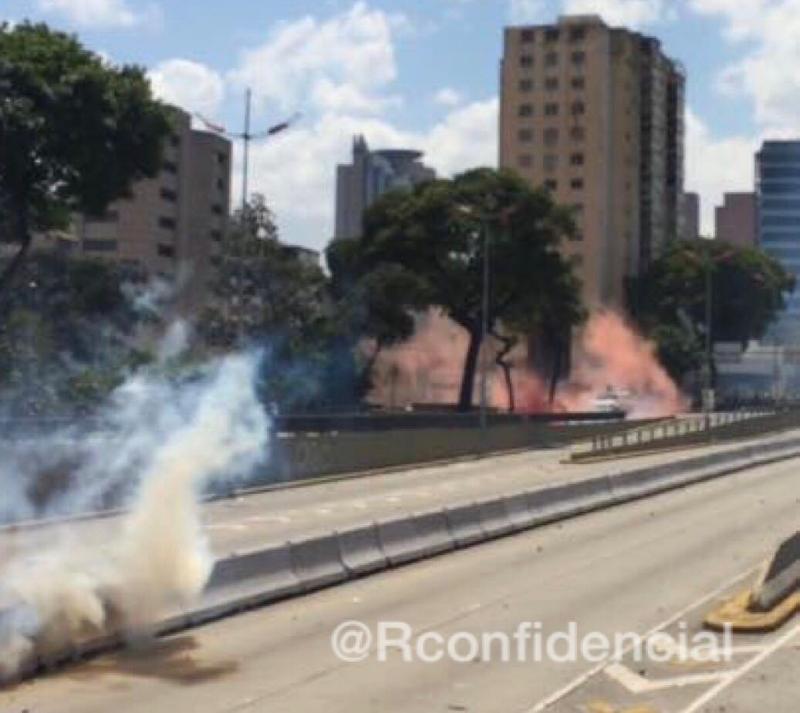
column 168, row 442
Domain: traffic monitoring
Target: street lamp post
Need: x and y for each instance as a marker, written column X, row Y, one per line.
column 708, row 395
column 485, row 322
column 246, row 136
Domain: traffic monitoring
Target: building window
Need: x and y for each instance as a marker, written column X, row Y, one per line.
column 551, row 110
column 551, row 59
column 525, row 135
column 526, row 85
column 169, row 195
column 551, row 35
column 579, row 57
column 221, row 158
column 577, row 133
column 550, row 137
column 170, row 166
column 166, row 250
column 578, row 108
column 551, row 84
column 526, row 109
column 216, row 236
column 576, row 159
column 525, row 160
column 221, row 184
column 577, row 34
column 168, row 223
column 576, row 184
column 216, row 208
column 551, row 184
column 526, row 60
column 550, row 163
column 175, row 140
column 578, row 83
column 527, row 35
column 100, row 246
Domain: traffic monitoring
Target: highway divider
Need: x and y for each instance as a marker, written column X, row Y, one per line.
column 277, row 571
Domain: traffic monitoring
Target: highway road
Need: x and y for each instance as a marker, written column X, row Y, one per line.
column 628, row 569
column 249, row 521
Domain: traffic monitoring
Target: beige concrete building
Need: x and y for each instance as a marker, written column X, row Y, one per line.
column 172, row 226
column 596, row 114
column 737, row 219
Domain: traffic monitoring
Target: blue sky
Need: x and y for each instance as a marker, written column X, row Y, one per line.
column 424, row 73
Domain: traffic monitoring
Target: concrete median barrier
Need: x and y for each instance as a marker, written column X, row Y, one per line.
column 433, row 533
column 249, row 579
column 360, row 550
column 781, row 576
column 399, row 540
column 494, row 518
column 465, row 524
column 518, row 512
column 317, row 562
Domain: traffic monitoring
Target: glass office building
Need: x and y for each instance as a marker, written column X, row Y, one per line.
column 778, row 189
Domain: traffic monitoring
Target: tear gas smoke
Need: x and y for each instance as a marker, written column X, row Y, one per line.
column 170, row 441
column 609, row 353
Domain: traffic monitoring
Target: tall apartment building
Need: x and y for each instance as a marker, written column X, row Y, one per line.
column 173, row 224
column 778, row 199
column 596, row 114
column 736, row 219
column 370, row 175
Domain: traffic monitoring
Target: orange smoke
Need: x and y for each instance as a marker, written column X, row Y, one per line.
column 610, row 353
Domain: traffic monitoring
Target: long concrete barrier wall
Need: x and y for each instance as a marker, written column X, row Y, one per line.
column 304, row 456
column 281, row 570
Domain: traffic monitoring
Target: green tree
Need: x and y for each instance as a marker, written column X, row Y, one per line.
column 67, row 335
column 748, row 287
column 75, row 132
column 271, row 294
column 426, row 248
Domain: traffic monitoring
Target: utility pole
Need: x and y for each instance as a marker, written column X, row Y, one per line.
column 485, row 325
column 708, row 395
column 246, row 136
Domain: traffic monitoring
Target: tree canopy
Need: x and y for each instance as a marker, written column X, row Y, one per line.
column 67, row 335
column 75, row 132
column 749, row 289
column 272, row 295
column 425, row 247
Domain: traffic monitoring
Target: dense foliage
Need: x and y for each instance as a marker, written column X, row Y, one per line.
column 426, row 248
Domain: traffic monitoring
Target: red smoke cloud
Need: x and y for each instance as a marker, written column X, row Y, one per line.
column 610, row 353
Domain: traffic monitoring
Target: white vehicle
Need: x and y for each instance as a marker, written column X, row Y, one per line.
column 610, row 401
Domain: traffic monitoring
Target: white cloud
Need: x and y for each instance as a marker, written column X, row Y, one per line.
column 102, row 14
column 297, row 170
column 767, row 74
column 465, row 138
column 447, row 96
column 340, row 64
column 190, row 85
column 527, row 11
column 628, row 13
column 715, row 166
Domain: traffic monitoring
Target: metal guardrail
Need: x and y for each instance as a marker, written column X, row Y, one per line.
column 695, row 427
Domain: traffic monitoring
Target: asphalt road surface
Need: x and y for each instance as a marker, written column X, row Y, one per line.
column 633, row 568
